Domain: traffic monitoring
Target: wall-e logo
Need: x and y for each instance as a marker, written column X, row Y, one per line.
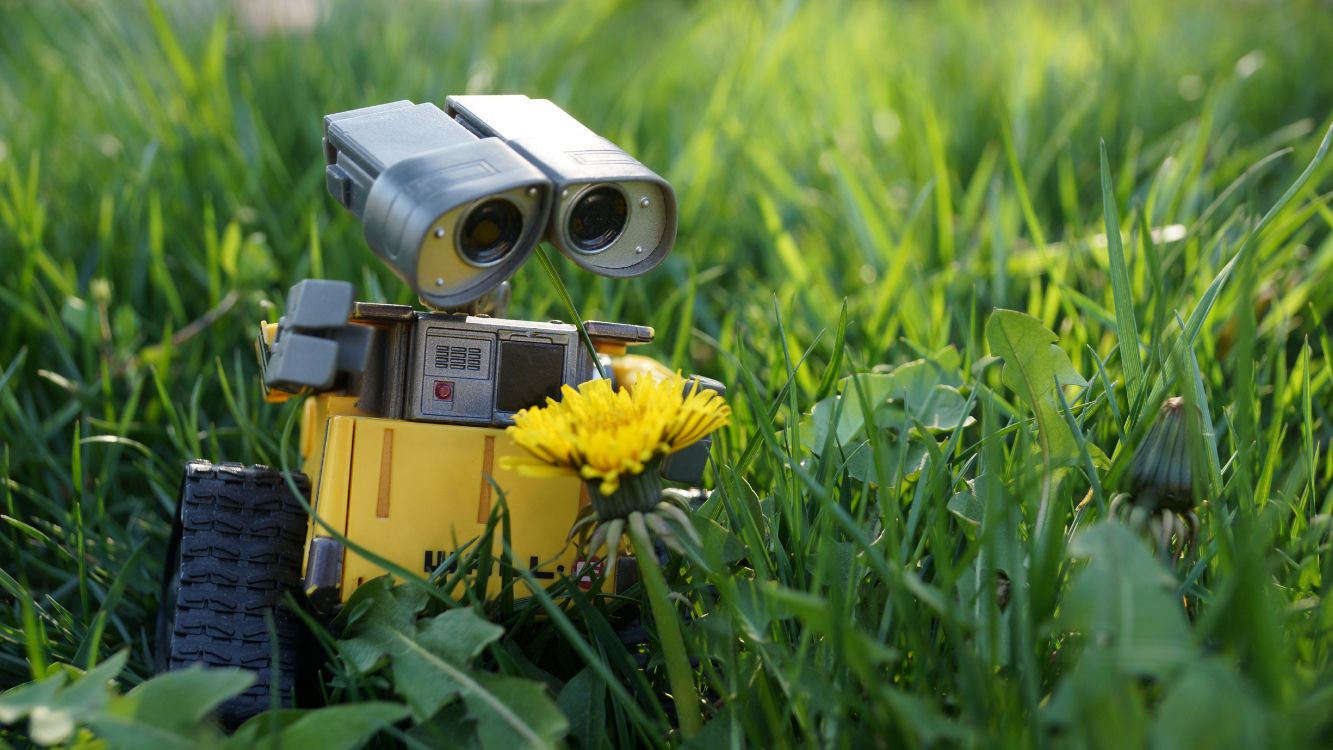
column 433, row 559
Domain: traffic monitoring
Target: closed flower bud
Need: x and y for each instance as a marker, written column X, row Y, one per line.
column 1160, row 477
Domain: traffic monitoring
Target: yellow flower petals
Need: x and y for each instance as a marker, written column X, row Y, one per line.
column 533, row 468
column 602, row 434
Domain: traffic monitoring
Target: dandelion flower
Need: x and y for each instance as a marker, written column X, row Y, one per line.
column 616, row 440
column 604, row 435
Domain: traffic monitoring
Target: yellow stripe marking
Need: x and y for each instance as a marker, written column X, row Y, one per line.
column 386, row 473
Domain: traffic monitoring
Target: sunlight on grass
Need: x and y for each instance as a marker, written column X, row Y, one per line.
column 908, row 540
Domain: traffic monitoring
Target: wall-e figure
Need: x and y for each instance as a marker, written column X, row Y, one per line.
column 403, row 423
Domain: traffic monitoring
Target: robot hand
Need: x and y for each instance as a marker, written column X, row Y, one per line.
column 685, row 466
column 313, row 343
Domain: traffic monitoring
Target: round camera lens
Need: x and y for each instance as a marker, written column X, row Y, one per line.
column 597, row 219
column 490, row 231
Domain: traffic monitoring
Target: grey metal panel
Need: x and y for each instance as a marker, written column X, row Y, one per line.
column 382, row 312
column 455, row 371
column 323, row 574
column 620, row 332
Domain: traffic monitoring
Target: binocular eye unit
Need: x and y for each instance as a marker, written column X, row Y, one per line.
column 455, row 202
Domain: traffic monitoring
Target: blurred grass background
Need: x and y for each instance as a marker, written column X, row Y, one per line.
column 161, row 186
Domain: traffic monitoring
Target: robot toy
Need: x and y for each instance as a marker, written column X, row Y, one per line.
column 402, row 427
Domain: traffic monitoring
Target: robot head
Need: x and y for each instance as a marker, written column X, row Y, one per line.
column 455, row 202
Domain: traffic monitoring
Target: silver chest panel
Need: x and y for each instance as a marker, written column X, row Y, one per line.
column 478, row 370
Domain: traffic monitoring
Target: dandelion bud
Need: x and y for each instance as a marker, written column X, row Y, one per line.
column 1160, row 477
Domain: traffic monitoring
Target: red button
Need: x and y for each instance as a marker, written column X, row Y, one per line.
column 444, row 390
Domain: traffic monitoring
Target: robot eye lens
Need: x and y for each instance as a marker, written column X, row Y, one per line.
column 597, row 219
column 490, row 231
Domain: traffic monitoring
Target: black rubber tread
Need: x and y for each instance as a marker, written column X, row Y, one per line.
column 242, row 533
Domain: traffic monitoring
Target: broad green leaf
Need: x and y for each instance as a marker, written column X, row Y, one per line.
column 80, row 317
column 268, row 724
column 56, row 705
column 918, row 394
column 456, row 636
column 17, row 702
column 338, row 727
column 1098, row 705
column 1033, row 366
column 851, row 415
column 752, row 612
column 512, row 712
column 426, row 678
column 55, row 721
column 860, row 457
column 838, row 559
column 1210, row 706
column 1123, row 602
column 452, row 727
column 939, row 408
column 908, row 388
column 381, row 609
column 131, row 734
column 720, row 547
column 583, row 702
column 967, row 508
column 176, row 701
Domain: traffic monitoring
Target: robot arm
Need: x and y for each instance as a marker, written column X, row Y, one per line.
column 687, row 465
column 314, row 342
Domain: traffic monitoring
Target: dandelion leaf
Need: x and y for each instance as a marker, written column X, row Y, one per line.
column 1122, row 601
column 1210, row 706
column 1033, row 366
column 178, row 701
column 583, row 701
column 514, row 712
column 336, row 727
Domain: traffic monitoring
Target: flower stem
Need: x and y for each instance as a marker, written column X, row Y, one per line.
column 679, row 673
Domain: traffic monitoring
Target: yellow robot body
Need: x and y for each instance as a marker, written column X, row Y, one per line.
column 406, row 458
column 414, row 493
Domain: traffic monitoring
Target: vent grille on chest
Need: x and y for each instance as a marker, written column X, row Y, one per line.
column 466, row 358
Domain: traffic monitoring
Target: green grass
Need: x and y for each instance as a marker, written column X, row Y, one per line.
column 860, row 184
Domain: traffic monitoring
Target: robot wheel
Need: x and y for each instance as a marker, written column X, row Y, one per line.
column 235, row 554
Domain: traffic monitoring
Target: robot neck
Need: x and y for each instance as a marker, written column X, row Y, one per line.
column 494, row 303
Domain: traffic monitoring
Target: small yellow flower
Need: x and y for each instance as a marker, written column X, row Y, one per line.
column 602, row 435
